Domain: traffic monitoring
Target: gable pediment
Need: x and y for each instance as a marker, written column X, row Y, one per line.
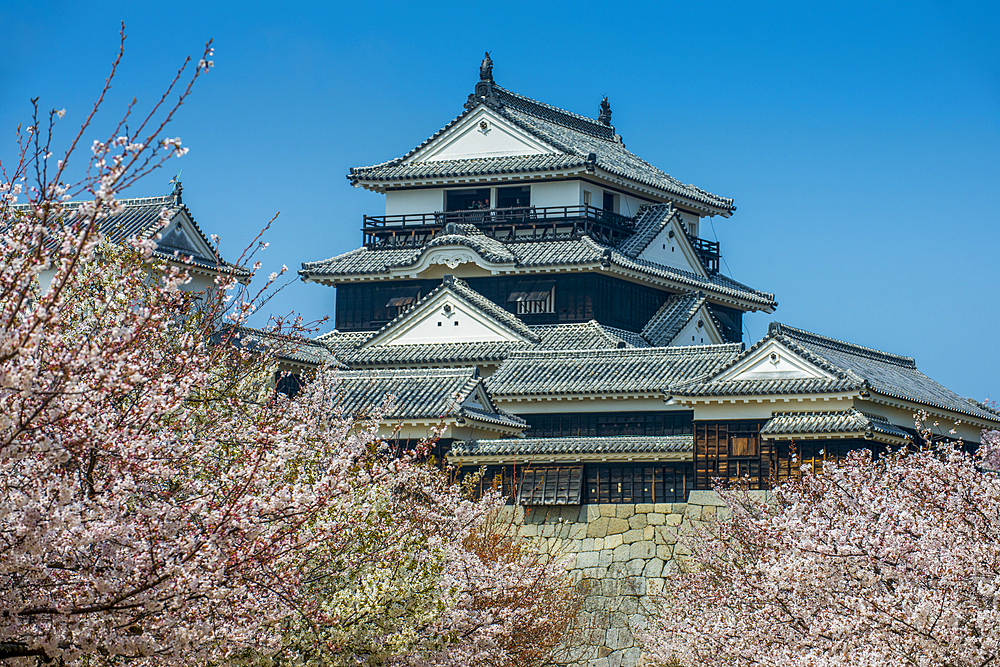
column 445, row 318
column 671, row 247
column 693, row 334
column 180, row 235
column 481, row 134
column 773, row 361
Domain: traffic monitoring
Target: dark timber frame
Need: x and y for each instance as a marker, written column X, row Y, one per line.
column 540, row 223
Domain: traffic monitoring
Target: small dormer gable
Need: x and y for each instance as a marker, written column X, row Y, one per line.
column 773, row 361
column 453, row 313
column 700, row 329
column 671, row 247
column 482, row 133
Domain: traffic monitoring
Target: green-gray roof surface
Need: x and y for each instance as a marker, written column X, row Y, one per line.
column 608, row 371
column 429, row 393
column 853, row 367
column 528, row 447
column 668, row 321
column 846, row 422
column 140, row 218
column 550, row 254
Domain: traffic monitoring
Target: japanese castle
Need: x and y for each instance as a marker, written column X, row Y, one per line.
column 547, row 296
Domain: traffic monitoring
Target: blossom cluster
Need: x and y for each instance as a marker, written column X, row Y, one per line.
column 159, row 503
column 894, row 561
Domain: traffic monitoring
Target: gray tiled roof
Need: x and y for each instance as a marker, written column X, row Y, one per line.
column 585, row 335
column 668, row 321
column 281, row 346
column 649, row 221
column 429, row 353
column 851, row 422
column 394, row 170
column 609, row 371
column 140, row 218
column 574, row 136
column 429, row 393
column 538, row 254
column 854, row 368
column 487, row 247
column 528, row 447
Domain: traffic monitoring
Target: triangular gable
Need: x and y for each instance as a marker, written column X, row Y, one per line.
column 772, row 361
column 444, row 316
column 700, row 329
column 672, row 247
column 481, row 133
column 183, row 235
column 479, row 400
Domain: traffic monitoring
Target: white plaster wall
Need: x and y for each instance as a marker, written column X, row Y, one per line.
column 691, row 221
column 667, row 251
column 627, row 205
column 400, row 202
column 483, row 134
column 557, row 193
column 459, row 325
column 692, row 335
column 763, row 409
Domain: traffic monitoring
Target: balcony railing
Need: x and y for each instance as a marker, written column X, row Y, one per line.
column 505, row 224
column 708, row 251
column 526, row 223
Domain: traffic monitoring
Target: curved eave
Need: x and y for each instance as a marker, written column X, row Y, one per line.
column 933, row 410
column 872, row 435
column 525, row 459
column 761, row 303
column 382, row 185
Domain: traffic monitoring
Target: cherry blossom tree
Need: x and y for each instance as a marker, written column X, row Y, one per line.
column 894, row 561
column 158, row 504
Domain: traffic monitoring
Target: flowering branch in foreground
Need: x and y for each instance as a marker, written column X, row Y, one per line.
column 894, row 561
column 159, row 504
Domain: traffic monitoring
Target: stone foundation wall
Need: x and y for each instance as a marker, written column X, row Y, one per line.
column 621, row 553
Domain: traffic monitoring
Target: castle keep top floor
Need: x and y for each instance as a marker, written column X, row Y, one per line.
column 513, row 188
column 508, row 151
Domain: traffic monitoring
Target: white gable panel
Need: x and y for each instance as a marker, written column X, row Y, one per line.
column 774, row 361
column 447, row 319
column 673, row 252
column 692, row 334
column 482, row 134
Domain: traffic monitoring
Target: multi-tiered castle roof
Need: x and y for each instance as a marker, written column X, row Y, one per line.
column 527, row 244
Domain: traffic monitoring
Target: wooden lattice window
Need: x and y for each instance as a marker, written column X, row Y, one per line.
column 555, row 485
column 534, row 297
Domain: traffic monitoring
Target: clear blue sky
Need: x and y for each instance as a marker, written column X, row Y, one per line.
column 859, row 140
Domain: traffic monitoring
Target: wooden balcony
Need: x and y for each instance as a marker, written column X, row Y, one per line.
column 529, row 223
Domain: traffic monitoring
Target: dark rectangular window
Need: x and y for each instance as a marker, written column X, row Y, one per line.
column 515, row 197
column 609, row 202
column 555, row 425
column 466, row 199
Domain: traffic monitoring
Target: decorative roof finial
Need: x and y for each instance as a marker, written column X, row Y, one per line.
column 484, row 89
column 178, row 188
column 605, row 117
column 486, row 68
